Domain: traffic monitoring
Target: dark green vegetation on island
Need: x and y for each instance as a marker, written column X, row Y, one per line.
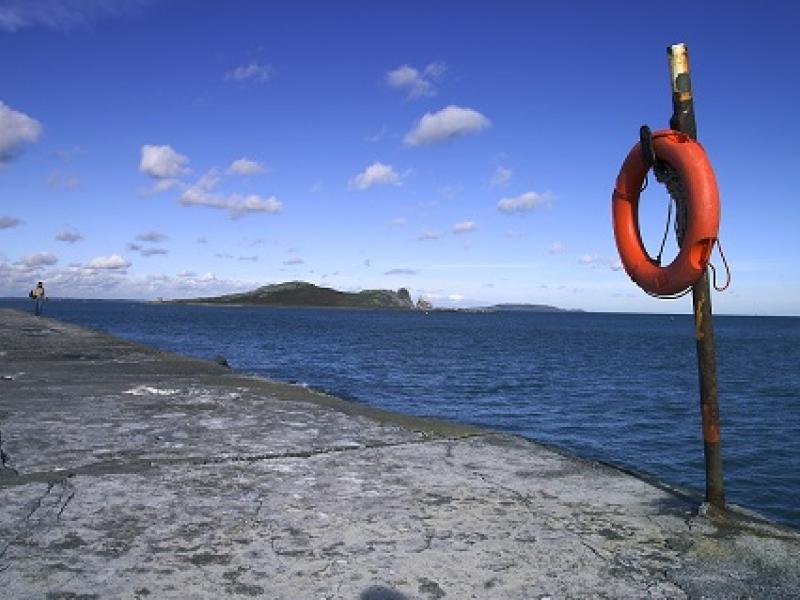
column 303, row 294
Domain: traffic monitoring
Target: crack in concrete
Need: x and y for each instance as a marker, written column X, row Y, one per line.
column 27, row 525
column 64, row 506
column 121, row 467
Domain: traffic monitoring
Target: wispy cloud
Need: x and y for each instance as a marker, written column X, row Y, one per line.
column 245, row 166
column 40, row 259
column 398, row 222
column 63, row 14
column 524, row 202
column 465, row 227
column 69, row 236
column 556, row 247
column 151, row 236
column 202, row 193
column 451, row 191
column 428, row 235
column 594, row 261
column 450, row 122
column 151, row 251
column 9, row 222
column 377, row 137
column 492, row 266
column 58, row 180
column 375, row 174
column 501, row 176
column 293, row 260
column 417, row 83
column 401, row 272
column 147, row 250
column 252, row 72
column 16, row 130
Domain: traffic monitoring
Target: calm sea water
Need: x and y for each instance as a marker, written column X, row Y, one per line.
column 621, row 388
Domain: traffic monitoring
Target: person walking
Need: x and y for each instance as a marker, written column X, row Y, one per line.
column 38, row 297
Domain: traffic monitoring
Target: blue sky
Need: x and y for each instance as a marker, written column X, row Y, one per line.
column 464, row 150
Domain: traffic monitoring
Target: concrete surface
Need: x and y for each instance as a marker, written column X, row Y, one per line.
column 132, row 473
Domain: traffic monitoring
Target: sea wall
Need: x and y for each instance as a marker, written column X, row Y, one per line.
column 128, row 472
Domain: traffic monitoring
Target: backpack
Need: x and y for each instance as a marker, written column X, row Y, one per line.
column 30, row 295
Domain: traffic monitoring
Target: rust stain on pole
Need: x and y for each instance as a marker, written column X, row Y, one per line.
column 683, row 120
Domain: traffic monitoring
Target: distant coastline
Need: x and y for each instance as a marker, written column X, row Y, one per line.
column 301, row 294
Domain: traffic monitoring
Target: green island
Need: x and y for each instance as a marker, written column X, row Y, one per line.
column 299, row 294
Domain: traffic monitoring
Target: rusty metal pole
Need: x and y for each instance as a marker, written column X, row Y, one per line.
column 683, row 120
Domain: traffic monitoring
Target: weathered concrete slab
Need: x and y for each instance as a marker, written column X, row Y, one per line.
column 132, row 473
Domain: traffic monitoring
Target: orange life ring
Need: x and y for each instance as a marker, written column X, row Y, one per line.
column 688, row 158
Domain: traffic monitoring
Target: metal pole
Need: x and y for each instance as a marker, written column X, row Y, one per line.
column 683, row 120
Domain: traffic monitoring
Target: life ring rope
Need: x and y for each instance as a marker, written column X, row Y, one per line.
column 692, row 186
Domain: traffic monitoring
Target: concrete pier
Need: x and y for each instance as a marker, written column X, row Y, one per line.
column 128, row 472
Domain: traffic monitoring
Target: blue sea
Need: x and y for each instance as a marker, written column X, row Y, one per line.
column 622, row 388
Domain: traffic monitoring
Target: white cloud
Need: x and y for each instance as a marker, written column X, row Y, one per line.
column 253, row 71
column 77, row 281
column 69, row 236
column 202, row 193
column 113, row 262
column 417, row 83
column 455, row 297
column 375, row 174
column 162, row 162
column 398, row 222
column 464, row 227
column 556, row 247
column 9, row 222
column 16, row 129
column 450, row 122
column 501, row 176
column 151, row 236
column 40, row 259
column 245, row 166
column 523, row 202
column 427, row 235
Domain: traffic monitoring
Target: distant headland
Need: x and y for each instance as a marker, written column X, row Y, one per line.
column 300, row 294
